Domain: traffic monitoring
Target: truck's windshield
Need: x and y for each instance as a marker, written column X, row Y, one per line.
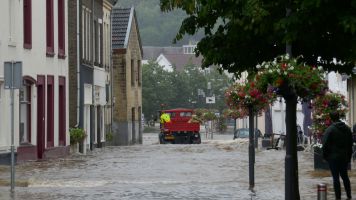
column 185, row 114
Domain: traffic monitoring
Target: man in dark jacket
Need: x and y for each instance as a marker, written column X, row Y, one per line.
column 337, row 150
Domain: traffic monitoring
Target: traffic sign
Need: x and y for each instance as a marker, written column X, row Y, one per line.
column 210, row 100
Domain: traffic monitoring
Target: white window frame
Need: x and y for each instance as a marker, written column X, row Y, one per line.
column 83, row 34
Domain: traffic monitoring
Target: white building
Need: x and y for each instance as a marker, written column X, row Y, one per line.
column 35, row 34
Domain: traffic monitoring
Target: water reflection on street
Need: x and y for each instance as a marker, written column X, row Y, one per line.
column 215, row 169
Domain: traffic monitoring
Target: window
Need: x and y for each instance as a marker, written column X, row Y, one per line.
column 49, row 28
column 61, row 29
column 139, row 72
column 25, row 113
column 89, row 38
column 27, row 24
column 132, row 73
column 108, row 47
column 105, row 45
column 83, row 34
column 100, row 42
column 185, row 114
column 133, row 127
column 96, row 43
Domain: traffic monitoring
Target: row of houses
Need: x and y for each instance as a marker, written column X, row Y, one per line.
column 81, row 67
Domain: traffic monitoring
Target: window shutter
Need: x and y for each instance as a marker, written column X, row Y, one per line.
column 61, row 29
column 49, row 28
column 27, row 24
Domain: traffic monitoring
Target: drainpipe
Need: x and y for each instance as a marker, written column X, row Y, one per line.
column 93, row 83
column 78, row 62
column 111, row 75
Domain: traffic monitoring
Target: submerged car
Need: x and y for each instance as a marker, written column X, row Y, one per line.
column 244, row 133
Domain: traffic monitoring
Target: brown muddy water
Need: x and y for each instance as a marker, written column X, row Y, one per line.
column 216, row 169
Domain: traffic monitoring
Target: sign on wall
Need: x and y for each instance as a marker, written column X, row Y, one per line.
column 13, row 75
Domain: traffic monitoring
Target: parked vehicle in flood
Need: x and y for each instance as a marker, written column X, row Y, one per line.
column 244, row 133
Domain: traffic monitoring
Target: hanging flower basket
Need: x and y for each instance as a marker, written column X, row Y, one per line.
column 322, row 107
column 285, row 73
column 240, row 96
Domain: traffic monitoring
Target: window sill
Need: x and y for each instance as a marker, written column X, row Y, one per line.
column 27, row 46
column 50, row 54
column 12, row 43
column 62, row 56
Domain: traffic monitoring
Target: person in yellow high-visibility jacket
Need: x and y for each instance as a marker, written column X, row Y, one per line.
column 165, row 118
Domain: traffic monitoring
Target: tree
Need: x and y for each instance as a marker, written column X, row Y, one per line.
column 156, row 89
column 179, row 88
column 241, row 34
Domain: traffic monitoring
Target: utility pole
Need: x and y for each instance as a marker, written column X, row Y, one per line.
column 13, row 80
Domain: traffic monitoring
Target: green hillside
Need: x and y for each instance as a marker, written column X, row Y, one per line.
column 157, row 28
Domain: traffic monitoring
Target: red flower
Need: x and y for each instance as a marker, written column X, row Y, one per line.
column 241, row 94
column 254, row 93
column 284, row 66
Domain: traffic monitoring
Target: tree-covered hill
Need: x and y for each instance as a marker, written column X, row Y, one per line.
column 157, row 28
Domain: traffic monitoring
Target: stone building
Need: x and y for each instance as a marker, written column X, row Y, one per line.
column 89, row 31
column 127, row 77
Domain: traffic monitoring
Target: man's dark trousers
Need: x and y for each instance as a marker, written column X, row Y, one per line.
column 339, row 168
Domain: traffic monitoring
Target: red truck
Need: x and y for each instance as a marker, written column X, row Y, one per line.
column 180, row 129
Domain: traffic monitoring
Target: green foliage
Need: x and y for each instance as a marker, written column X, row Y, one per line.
column 109, row 136
column 157, row 28
column 180, row 88
column 222, row 124
column 241, row 34
column 77, row 135
column 209, row 116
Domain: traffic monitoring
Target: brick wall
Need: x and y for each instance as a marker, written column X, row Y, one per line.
column 127, row 96
column 119, row 87
column 72, row 59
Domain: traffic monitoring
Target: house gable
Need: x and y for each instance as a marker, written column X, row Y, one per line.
column 124, row 26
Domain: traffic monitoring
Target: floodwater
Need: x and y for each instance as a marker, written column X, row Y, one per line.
column 216, row 169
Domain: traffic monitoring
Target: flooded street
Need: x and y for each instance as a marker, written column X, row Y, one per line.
column 215, row 169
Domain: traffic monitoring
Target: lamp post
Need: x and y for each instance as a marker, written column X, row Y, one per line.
column 251, row 149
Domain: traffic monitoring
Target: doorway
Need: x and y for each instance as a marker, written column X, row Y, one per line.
column 41, row 115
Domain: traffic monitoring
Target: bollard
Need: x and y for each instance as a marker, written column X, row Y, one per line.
column 322, row 191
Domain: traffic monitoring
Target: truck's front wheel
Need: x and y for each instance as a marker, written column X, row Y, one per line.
column 196, row 139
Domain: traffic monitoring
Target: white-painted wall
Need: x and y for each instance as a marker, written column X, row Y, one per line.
column 35, row 62
column 336, row 83
column 163, row 61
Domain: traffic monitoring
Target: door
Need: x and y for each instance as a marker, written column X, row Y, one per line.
column 62, row 122
column 41, row 116
column 50, row 111
column 99, row 126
